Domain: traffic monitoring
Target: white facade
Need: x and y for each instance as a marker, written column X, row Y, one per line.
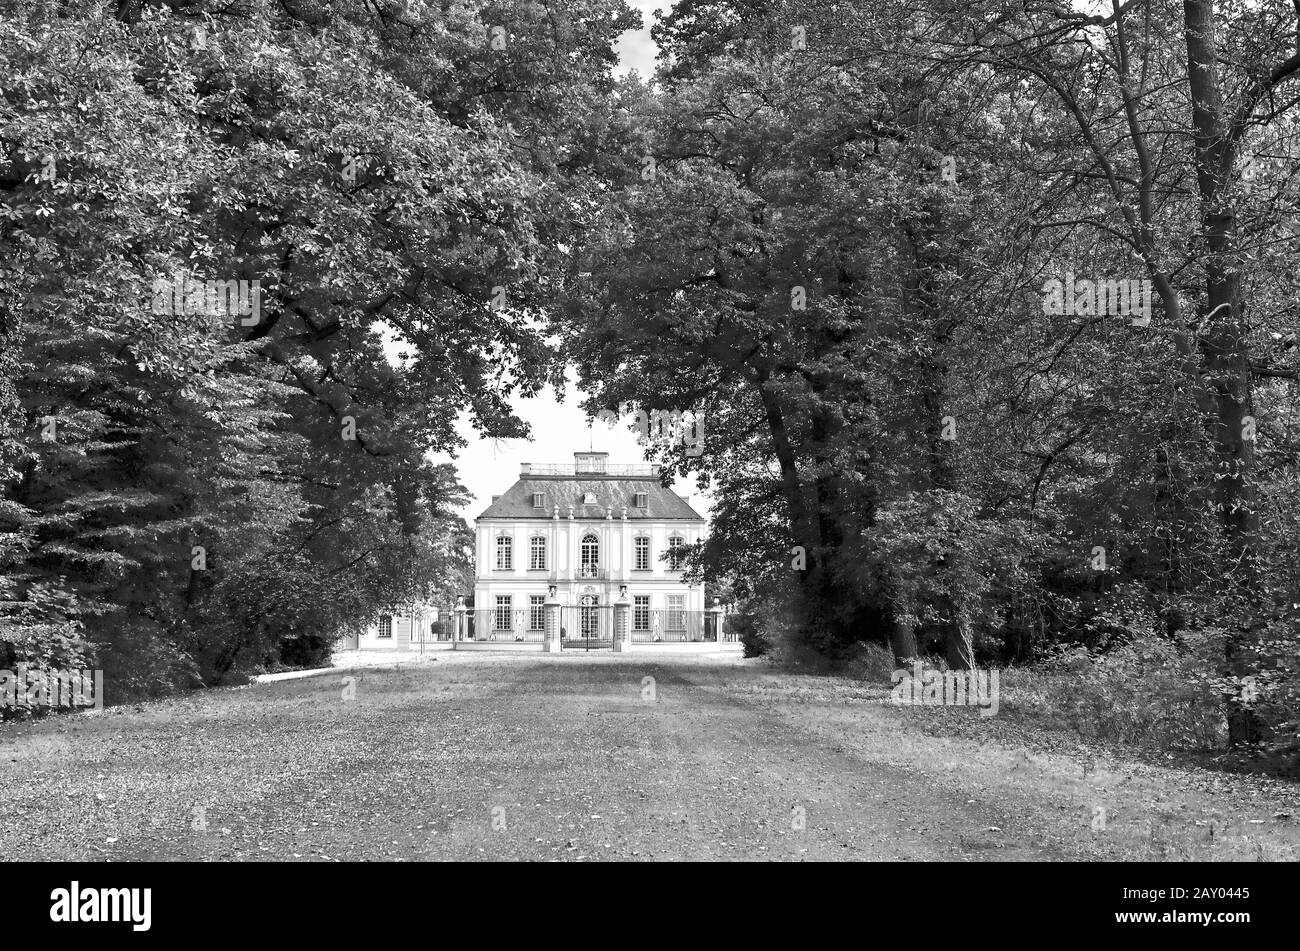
column 405, row 629
column 588, row 531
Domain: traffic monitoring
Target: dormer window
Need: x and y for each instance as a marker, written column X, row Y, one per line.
column 641, row 500
column 539, row 500
column 589, row 498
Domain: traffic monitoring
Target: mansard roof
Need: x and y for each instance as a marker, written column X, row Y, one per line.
column 611, row 493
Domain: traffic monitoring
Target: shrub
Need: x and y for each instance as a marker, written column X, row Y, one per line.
column 308, row 650
column 870, row 662
column 1152, row 691
column 753, row 640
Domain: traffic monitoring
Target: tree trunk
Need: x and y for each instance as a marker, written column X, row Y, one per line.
column 902, row 641
column 958, row 635
column 1223, row 344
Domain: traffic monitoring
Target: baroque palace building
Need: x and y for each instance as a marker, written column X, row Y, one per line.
column 586, row 536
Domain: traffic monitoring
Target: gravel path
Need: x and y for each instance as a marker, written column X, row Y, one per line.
column 488, row 756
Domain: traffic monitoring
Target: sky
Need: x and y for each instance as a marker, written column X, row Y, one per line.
column 636, row 50
column 489, row 467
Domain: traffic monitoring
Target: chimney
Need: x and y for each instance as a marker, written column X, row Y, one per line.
column 495, row 499
column 525, row 468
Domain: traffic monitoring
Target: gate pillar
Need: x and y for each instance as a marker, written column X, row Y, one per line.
column 622, row 621
column 551, row 611
column 462, row 622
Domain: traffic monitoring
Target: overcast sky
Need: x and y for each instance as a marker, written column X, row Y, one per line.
column 489, row 467
column 636, row 50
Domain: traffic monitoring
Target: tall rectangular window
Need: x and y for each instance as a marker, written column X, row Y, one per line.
column 675, row 553
column 505, row 553
column 641, row 561
column 589, row 550
column 537, row 553
column 676, row 620
column 641, row 612
column 385, row 626
column 536, row 612
column 501, row 616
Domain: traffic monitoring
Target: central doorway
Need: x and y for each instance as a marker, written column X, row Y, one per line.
column 589, row 617
column 590, row 624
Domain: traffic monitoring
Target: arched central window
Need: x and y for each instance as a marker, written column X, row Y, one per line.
column 590, row 555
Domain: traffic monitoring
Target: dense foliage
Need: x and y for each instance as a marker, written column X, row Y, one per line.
column 199, row 482
column 834, row 236
column 855, row 237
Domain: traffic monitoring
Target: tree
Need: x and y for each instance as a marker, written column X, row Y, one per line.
column 265, row 257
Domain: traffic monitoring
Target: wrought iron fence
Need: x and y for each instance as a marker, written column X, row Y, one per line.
column 587, row 623
column 427, row 629
column 594, row 624
column 505, row 625
column 671, row 625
